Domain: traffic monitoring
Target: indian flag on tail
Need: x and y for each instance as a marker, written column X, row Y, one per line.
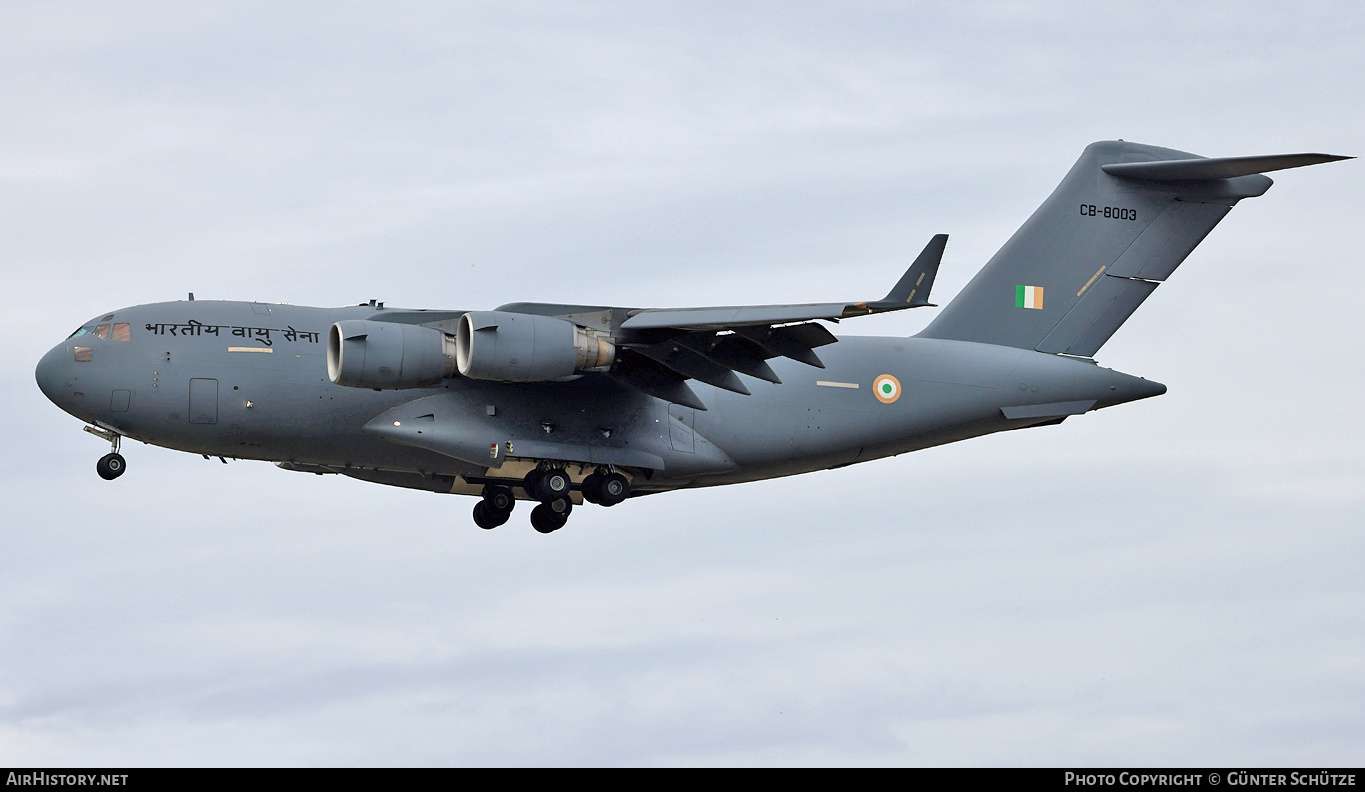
column 1028, row 297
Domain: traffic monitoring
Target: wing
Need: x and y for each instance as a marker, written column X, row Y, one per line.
column 660, row 349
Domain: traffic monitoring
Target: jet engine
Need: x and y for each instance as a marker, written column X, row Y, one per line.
column 362, row 353
column 517, row 347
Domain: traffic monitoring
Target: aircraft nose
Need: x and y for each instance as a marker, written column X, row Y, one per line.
column 50, row 373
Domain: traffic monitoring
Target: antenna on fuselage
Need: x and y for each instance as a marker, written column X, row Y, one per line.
column 191, row 296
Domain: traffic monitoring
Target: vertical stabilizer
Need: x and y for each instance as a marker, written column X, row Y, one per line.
column 1117, row 226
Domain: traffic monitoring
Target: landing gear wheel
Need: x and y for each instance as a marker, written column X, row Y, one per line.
column 560, row 506
column 488, row 518
column 613, row 489
column 111, row 466
column 530, row 483
column 499, row 499
column 546, row 518
column 552, row 484
column 591, row 488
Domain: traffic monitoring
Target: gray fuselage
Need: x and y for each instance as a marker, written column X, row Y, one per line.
column 250, row 381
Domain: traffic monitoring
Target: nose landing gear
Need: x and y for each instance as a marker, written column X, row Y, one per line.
column 112, row 464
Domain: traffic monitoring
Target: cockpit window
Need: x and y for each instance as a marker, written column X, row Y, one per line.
column 83, row 354
column 119, row 332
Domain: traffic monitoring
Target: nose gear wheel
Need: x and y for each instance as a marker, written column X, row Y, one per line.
column 111, row 466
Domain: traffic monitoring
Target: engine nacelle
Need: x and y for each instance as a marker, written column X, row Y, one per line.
column 517, row 347
column 362, row 353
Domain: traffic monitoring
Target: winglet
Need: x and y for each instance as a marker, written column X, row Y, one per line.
column 913, row 287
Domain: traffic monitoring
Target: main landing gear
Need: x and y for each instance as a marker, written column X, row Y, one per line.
column 605, row 489
column 112, row 464
column 495, row 507
column 550, row 516
column 552, row 487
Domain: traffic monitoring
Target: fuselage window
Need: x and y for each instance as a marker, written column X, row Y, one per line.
column 121, row 332
column 102, row 332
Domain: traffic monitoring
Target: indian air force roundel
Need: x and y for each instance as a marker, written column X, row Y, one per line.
column 886, row 388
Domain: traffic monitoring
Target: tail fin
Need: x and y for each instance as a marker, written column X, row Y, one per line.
column 1119, row 223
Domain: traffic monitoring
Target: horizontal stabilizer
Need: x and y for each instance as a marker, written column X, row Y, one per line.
column 1205, row 168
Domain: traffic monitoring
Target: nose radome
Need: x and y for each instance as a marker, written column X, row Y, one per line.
column 49, row 373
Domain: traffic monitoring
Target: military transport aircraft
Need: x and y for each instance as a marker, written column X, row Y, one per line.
column 560, row 404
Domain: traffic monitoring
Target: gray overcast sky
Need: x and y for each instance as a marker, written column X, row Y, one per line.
column 1175, row 581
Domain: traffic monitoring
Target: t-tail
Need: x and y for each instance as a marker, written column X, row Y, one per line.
column 1116, row 227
